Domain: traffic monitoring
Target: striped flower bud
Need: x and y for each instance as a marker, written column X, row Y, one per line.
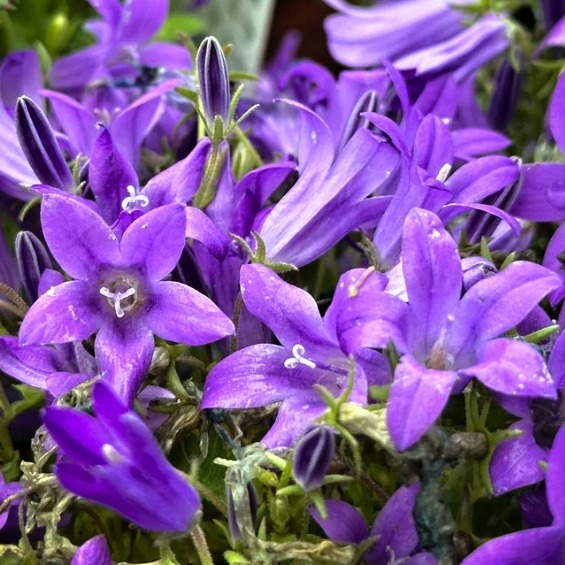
column 39, row 145
column 214, row 81
column 32, row 259
column 312, row 458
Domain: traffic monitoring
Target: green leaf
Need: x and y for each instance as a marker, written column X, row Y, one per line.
column 187, row 24
column 31, row 397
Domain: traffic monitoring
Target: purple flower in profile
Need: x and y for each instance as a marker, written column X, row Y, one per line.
column 544, row 545
column 444, row 339
column 116, row 462
column 394, row 526
column 118, row 290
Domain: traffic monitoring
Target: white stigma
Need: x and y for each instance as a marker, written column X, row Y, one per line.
column 117, row 298
column 444, row 173
column 298, row 358
column 111, row 454
column 134, row 200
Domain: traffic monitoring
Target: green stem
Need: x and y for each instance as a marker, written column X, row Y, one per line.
column 174, row 384
column 206, row 191
column 201, row 546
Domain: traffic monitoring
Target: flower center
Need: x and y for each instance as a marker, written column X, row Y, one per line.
column 134, row 201
column 111, row 454
column 122, row 294
column 440, row 359
column 298, row 358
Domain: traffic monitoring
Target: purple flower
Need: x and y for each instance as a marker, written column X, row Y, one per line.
column 542, row 546
column 116, row 462
column 444, row 339
column 122, row 46
column 362, row 37
column 309, row 354
column 118, row 290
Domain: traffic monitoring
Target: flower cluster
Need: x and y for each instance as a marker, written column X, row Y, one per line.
column 246, row 320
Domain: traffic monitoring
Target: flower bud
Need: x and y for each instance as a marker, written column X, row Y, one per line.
column 32, row 259
column 214, row 81
column 312, row 458
column 553, row 11
column 507, row 83
column 39, row 145
column 242, row 506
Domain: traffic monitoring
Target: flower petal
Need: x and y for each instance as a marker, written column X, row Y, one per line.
column 433, row 276
column 67, row 312
column 395, row 527
column 184, row 315
column 344, row 523
column 555, row 479
column 542, row 546
column 78, row 237
column 500, row 302
column 109, row 175
column 95, row 550
column 512, row 367
column 123, row 351
column 417, row 398
column 515, row 462
column 289, row 311
column 255, row 376
column 156, row 240
column 62, row 424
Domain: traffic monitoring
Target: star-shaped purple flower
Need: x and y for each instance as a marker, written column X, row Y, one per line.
column 444, row 339
column 118, row 290
column 309, row 354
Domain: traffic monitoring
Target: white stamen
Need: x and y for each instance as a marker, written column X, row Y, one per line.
column 134, row 200
column 117, row 298
column 298, row 358
column 444, row 172
column 111, row 454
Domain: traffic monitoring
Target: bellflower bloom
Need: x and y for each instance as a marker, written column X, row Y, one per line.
column 362, row 37
column 444, row 339
column 118, row 290
column 116, row 462
column 331, row 192
column 544, row 545
column 122, row 45
column 309, row 354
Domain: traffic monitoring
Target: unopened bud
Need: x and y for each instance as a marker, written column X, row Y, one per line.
column 312, row 458
column 242, row 506
column 214, row 81
column 32, row 260
column 507, row 83
column 39, row 145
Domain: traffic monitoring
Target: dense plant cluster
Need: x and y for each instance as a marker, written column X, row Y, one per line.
column 295, row 317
